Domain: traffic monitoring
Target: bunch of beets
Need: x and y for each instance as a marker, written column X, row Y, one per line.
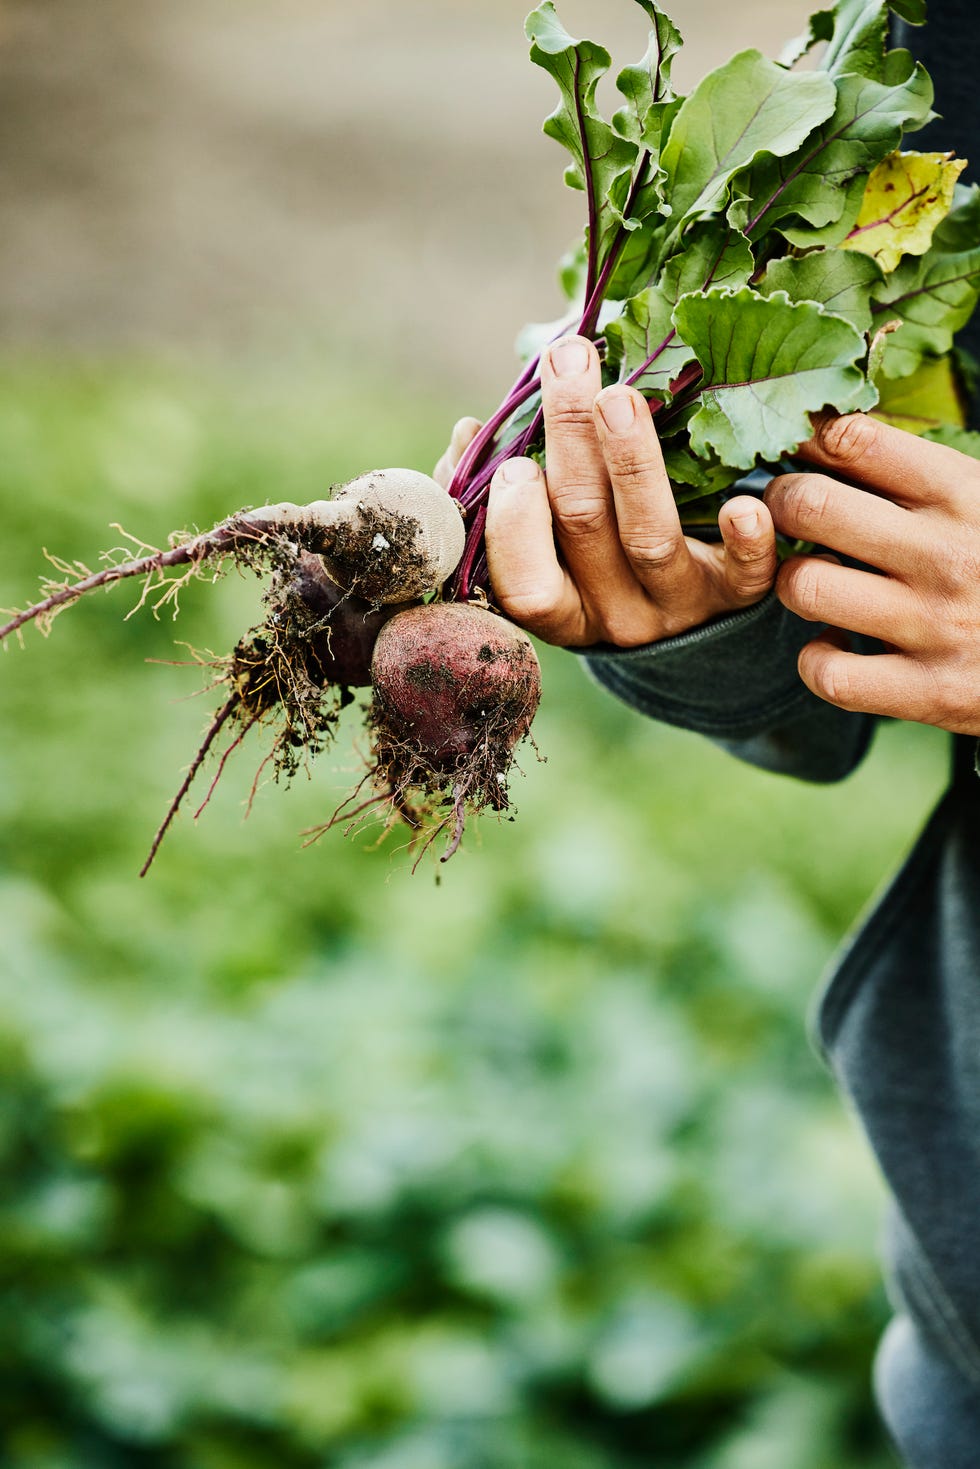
column 754, row 252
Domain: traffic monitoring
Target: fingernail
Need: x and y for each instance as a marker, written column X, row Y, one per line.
column 747, row 523
column 569, row 358
column 618, row 410
column 518, row 471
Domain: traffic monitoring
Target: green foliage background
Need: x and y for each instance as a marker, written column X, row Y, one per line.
column 308, row 1162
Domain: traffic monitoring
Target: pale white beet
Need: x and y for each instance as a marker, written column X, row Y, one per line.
column 391, row 535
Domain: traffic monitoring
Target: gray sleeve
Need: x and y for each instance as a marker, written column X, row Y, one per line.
column 735, row 680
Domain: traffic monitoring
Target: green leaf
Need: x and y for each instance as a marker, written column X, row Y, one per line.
column 746, row 107
column 600, row 156
column 960, row 230
column 700, row 475
column 644, row 345
column 647, row 87
column 713, row 256
column 964, row 440
column 906, row 197
column 841, row 283
column 813, row 196
column 928, row 400
column 768, row 363
column 856, row 33
column 573, row 268
column 932, row 295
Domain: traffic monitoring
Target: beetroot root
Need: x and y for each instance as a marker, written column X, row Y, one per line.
column 455, row 689
column 340, row 628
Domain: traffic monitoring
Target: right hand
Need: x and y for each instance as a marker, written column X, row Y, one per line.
column 594, row 551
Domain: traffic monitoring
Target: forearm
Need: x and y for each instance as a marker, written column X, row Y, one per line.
column 735, row 680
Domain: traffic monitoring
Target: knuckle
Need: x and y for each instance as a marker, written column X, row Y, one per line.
column 953, row 686
column 753, row 558
column 828, row 676
column 848, row 439
column 799, row 586
column 568, row 413
column 960, row 569
column 580, row 517
column 633, row 467
column 620, row 630
column 529, row 609
column 653, row 555
column 750, row 584
column 805, row 502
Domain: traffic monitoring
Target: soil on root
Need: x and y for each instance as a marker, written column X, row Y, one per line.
column 376, row 551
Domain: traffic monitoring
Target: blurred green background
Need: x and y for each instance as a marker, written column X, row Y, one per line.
column 308, row 1163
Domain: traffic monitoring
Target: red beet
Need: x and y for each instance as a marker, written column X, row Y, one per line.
column 455, row 682
column 341, row 629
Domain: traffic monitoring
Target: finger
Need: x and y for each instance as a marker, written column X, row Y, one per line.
column 749, row 539
column 649, row 529
column 889, row 684
column 814, row 507
column 463, row 434
column 529, row 582
column 860, row 601
column 578, row 482
column 909, row 470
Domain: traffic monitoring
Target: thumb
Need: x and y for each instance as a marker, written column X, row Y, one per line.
column 749, row 538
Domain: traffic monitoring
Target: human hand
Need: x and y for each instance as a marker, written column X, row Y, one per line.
column 463, row 434
column 595, row 552
column 915, row 519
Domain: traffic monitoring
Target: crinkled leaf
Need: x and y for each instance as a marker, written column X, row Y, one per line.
column 641, row 255
column 840, row 282
column 856, row 33
column 643, row 345
column 746, row 107
column 930, row 398
column 906, row 197
column 768, row 363
column 712, row 256
column 600, row 156
column 813, row 196
column 933, row 295
column 647, row 87
column 966, row 441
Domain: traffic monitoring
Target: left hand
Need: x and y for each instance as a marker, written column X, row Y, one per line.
column 916, row 521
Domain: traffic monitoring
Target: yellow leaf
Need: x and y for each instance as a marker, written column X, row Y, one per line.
column 928, row 399
column 907, row 196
